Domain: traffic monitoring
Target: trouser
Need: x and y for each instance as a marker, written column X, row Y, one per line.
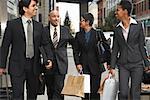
column 31, row 83
column 55, row 85
column 135, row 72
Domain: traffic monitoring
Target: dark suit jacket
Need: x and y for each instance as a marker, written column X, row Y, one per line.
column 60, row 53
column 131, row 51
column 86, row 54
column 15, row 36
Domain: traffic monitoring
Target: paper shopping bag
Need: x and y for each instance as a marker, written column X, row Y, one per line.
column 74, row 86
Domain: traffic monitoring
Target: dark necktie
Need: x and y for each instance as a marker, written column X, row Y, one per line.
column 29, row 41
column 55, row 38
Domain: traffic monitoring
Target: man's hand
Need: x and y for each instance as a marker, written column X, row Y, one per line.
column 2, row 71
column 79, row 68
column 49, row 66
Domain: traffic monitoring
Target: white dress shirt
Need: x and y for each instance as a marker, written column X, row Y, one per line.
column 25, row 24
column 125, row 31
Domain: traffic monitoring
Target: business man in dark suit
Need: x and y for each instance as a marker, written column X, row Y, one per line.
column 25, row 36
column 59, row 37
column 86, row 54
column 128, row 52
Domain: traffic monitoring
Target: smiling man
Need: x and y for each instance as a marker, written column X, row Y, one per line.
column 25, row 36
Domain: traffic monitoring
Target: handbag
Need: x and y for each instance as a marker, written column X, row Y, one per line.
column 103, row 48
column 74, row 86
column 5, row 91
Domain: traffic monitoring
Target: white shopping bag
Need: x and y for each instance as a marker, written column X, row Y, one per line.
column 86, row 83
column 110, row 89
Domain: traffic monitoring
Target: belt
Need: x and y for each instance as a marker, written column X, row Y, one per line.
column 29, row 59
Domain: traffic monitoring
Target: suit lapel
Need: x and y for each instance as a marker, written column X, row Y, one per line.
column 131, row 31
column 34, row 26
column 21, row 28
column 61, row 36
column 121, row 33
column 83, row 37
column 47, row 29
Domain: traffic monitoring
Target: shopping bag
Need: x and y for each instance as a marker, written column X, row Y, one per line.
column 74, row 86
column 110, row 88
column 86, row 83
column 5, row 91
column 100, row 90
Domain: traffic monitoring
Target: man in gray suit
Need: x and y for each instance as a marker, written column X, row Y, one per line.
column 128, row 52
column 59, row 37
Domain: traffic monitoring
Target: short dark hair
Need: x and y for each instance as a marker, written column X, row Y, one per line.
column 88, row 17
column 24, row 3
column 126, row 4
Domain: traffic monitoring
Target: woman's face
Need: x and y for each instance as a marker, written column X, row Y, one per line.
column 120, row 13
column 82, row 23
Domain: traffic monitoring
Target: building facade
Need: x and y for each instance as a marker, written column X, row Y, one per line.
column 9, row 11
column 142, row 12
column 104, row 8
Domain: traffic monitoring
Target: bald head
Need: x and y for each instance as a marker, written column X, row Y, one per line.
column 54, row 18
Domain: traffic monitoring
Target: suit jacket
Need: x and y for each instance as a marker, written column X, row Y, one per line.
column 60, row 53
column 15, row 36
column 86, row 54
column 131, row 51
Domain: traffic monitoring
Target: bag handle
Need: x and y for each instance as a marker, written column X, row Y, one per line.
column 6, row 81
column 98, row 36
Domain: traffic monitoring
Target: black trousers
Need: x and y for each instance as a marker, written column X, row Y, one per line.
column 31, row 83
column 135, row 72
column 54, row 83
column 95, row 85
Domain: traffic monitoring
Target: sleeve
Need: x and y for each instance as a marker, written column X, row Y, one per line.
column 7, row 39
column 46, row 44
column 115, row 50
column 142, row 47
column 76, row 50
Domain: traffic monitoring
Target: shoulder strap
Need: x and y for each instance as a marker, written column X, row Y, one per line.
column 99, row 36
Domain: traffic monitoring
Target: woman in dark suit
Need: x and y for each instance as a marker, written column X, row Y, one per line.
column 86, row 55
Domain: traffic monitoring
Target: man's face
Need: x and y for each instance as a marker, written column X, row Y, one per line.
column 54, row 18
column 120, row 13
column 31, row 10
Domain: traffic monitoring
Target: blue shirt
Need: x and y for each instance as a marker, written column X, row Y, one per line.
column 87, row 36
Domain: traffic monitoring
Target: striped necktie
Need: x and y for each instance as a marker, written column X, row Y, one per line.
column 55, row 38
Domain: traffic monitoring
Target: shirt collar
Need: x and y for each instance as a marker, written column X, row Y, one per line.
column 25, row 19
column 52, row 27
column 132, row 21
